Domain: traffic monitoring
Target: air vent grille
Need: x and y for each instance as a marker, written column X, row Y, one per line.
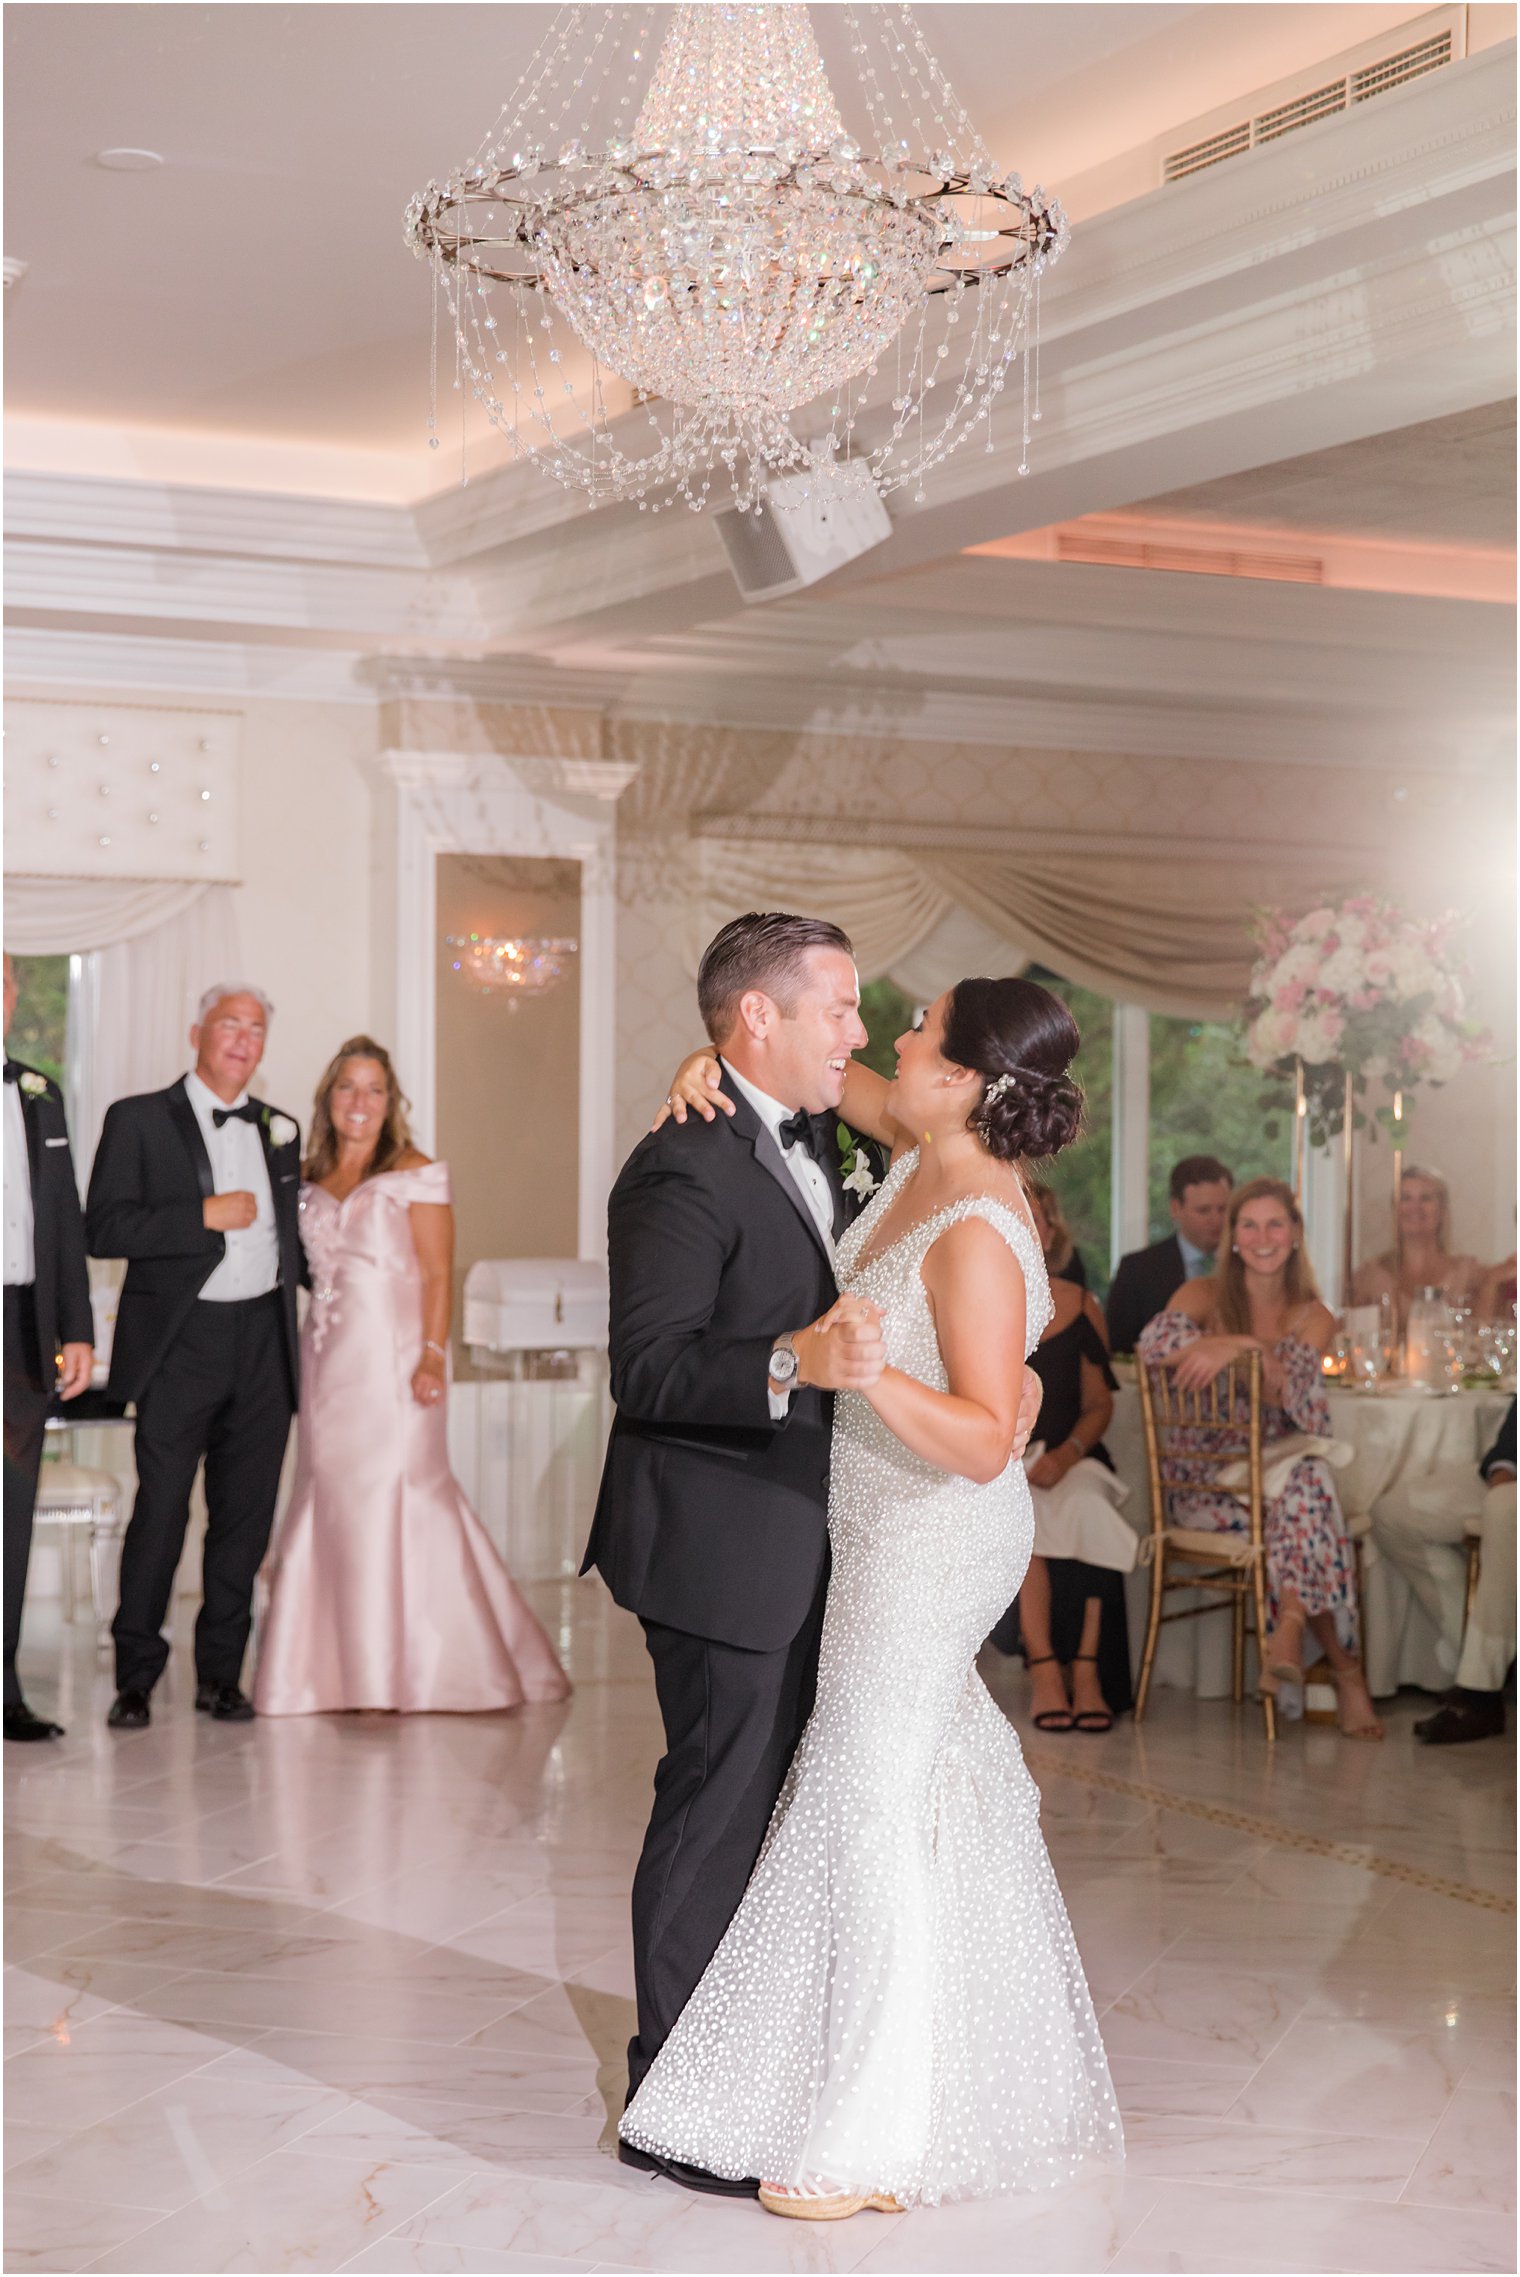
column 1200, row 154
column 1301, row 112
column 1377, row 77
column 1197, row 561
column 1398, row 70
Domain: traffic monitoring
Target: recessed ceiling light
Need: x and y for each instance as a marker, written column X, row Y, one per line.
column 129, row 161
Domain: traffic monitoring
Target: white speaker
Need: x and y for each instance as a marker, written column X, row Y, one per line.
column 806, row 526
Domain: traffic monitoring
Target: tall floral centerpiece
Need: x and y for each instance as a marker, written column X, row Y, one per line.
column 1351, row 1008
column 1355, row 997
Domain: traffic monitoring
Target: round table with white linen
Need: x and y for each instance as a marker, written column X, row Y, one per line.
column 1396, row 1431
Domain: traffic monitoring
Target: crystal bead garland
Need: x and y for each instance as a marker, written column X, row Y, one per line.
column 730, row 279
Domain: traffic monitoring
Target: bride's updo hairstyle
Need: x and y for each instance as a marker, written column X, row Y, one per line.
column 1021, row 1040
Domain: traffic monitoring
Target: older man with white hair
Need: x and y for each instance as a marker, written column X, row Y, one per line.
column 197, row 1188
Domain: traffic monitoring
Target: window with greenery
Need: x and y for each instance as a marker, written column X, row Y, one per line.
column 39, row 1032
column 1083, row 1176
column 1204, row 1100
column 886, row 1012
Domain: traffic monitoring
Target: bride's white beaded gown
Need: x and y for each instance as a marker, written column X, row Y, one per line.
column 898, row 2006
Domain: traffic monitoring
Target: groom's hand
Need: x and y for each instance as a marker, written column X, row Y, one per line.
column 1031, row 1392
column 844, row 1350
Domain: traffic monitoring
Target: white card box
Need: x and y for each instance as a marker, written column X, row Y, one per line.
column 536, row 1304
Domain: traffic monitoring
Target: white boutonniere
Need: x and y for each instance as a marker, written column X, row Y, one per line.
column 282, row 1131
column 859, row 1177
column 34, row 1085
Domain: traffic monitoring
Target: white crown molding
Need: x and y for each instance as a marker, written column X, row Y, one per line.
column 112, row 510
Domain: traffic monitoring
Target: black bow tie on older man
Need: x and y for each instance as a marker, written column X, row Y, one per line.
column 247, row 1113
column 805, row 1130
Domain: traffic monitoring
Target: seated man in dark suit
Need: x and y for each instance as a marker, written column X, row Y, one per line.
column 1148, row 1278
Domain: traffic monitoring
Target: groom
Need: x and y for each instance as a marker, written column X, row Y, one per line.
column 711, row 1524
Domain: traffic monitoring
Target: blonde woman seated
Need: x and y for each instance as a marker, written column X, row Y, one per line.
column 1420, row 1258
column 1262, row 1297
column 1063, row 1259
column 387, row 1590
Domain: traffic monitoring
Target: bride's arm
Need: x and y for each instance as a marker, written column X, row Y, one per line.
column 699, row 1076
column 976, row 1290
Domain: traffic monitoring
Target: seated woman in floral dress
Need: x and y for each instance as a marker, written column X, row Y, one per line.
column 1262, row 1296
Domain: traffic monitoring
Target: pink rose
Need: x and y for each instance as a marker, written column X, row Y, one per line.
column 1289, row 997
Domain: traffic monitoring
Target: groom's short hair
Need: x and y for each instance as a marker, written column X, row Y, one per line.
column 767, row 950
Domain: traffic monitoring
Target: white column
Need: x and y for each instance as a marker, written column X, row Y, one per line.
column 1131, row 1155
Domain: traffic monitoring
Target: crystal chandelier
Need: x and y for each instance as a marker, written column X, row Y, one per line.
column 507, row 966
column 729, row 279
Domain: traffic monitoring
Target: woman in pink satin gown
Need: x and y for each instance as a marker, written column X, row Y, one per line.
column 387, row 1592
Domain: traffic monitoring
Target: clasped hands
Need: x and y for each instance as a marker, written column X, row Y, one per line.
column 845, row 1349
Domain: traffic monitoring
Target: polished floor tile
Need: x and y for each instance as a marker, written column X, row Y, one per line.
column 355, row 1993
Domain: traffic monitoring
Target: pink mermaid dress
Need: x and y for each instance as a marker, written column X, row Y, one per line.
column 387, row 1592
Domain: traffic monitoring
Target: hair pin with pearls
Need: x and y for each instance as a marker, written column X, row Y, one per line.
column 996, row 1088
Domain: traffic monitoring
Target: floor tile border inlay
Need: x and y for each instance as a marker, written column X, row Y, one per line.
column 1041, row 1761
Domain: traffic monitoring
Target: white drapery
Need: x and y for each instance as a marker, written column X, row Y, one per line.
column 150, row 948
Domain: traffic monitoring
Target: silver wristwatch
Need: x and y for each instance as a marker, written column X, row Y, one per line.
column 785, row 1365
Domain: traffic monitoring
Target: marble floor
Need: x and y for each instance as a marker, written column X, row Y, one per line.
column 352, row 1993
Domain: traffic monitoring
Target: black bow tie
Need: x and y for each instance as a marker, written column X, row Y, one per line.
column 247, row 1113
column 11, row 1071
column 803, row 1129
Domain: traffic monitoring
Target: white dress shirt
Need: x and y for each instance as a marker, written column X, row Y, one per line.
column 251, row 1266
column 811, row 1181
column 20, row 1224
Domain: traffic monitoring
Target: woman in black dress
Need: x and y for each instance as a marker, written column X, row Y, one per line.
column 1069, row 1618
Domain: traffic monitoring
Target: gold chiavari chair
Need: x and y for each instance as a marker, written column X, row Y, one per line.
column 1231, row 1567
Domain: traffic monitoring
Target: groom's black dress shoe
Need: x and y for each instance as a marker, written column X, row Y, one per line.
column 20, row 1723
column 225, row 1702
column 689, row 2177
column 130, row 1712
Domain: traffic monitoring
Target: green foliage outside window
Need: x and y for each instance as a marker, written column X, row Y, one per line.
column 1205, row 1099
column 38, row 1033
column 1083, row 1175
column 886, row 1012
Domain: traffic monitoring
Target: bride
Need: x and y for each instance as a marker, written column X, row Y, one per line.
column 897, row 2014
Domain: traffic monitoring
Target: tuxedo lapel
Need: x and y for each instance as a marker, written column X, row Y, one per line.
column 183, row 1116
column 33, row 1128
column 748, row 1128
column 284, row 1192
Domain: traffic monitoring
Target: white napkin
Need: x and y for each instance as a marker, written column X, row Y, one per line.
column 1279, row 1458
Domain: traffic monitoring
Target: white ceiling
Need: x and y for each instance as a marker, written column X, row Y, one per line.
column 257, row 285
column 1444, row 482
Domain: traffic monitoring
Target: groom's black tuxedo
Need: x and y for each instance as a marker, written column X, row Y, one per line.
column 711, row 1516
column 211, row 1379
column 711, row 1523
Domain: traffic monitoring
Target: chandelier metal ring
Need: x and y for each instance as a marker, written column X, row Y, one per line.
column 734, row 258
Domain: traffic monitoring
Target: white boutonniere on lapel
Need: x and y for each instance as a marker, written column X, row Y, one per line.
column 34, row 1085
column 858, row 1176
column 282, row 1131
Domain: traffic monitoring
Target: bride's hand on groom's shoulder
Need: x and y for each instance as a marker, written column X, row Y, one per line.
column 845, row 1349
column 698, row 1085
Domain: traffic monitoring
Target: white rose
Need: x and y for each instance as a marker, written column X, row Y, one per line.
column 32, row 1084
column 1341, row 973
column 282, row 1131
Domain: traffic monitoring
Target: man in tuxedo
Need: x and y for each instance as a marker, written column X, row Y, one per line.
column 1148, row 1278
column 711, row 1524
column 197, row 1187
column 49, row 1332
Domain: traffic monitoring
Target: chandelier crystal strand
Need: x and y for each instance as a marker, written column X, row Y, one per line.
column 734, row 256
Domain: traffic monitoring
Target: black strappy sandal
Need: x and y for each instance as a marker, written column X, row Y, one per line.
column 1090, row 1719
column 1051, row 1719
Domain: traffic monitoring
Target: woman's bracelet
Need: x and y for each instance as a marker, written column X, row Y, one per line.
column 1073, row 1441
column 428, row 1345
